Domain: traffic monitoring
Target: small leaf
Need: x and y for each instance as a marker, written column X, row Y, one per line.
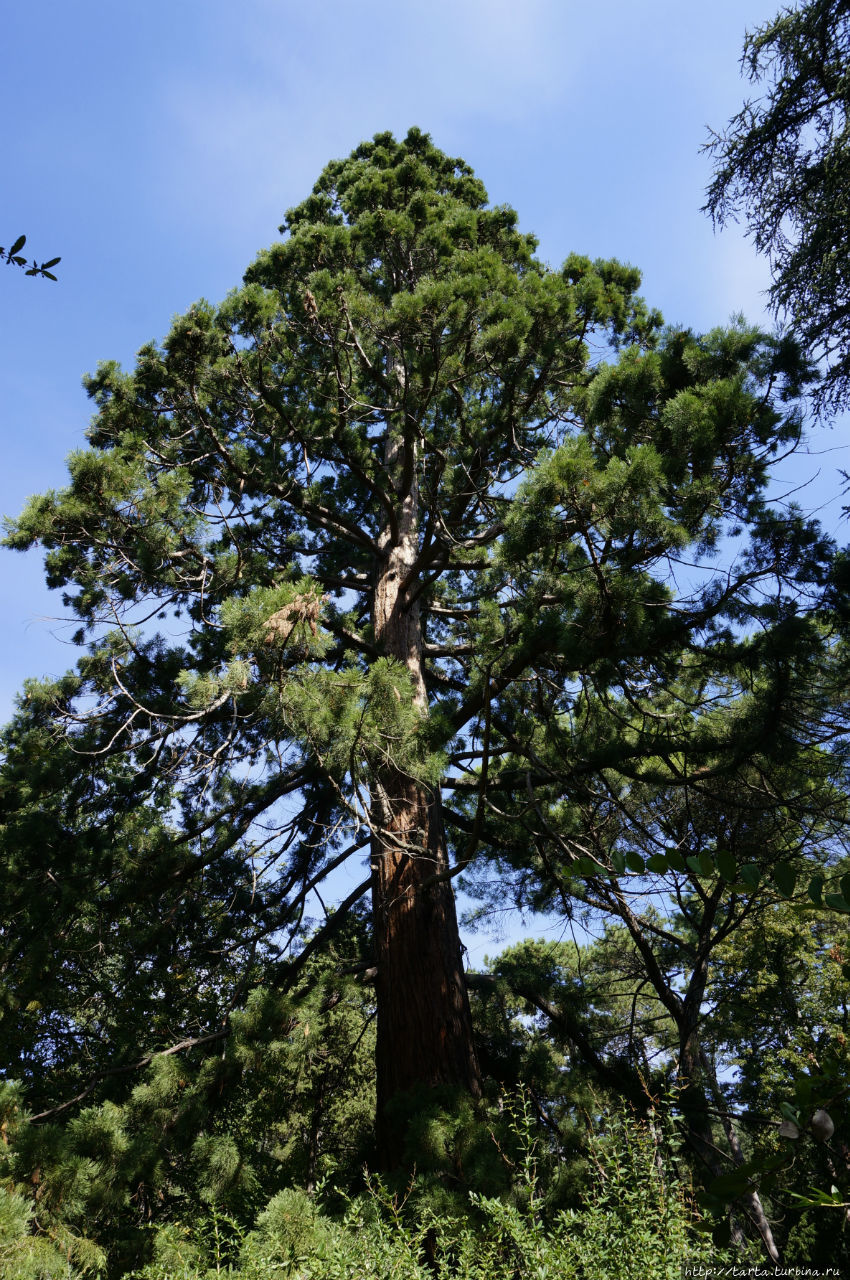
column 750, row 875
column 815, row 1199
column 726, row 865
column 694, row 865
column 675, row 860
column 618, row 861
column 706, row 863
column 822, row 1125
column 837, row 902
column 815, row 890
column 785, row 878
column 768, row 1165
column 17, row 246
column 48, row 275
column 657, row 862
column 729, row 1184
column 635, row 863
column 788, row 1111
column 803, row 1089
column 722, row 1234
column 51, row 263
column 845, row 888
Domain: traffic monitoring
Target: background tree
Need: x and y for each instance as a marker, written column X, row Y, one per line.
column 287, row 1097
column 678, row 859
column 777, row 1015
column 783, row 164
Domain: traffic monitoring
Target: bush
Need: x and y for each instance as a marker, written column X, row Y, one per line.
column 635, row 1218
column 26, row 1254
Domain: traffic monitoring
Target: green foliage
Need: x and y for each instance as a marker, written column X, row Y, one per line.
column 86, row 958
column 287, row 1097
column 35, row 1242
column 24, row 1256
column 13, row 257
column 779, row 992
column 783, row 163
column 386, row 551
column 289, row 1225
column 359, row 723
column 243, row 471
column 631, row 1211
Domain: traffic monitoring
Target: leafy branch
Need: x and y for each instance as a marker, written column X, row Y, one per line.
column 14, row 257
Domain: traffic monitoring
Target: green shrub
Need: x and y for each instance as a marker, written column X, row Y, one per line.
column 635, row 1218
column 28, row 1254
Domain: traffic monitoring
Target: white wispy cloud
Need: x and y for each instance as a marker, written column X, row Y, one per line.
column 280, row 89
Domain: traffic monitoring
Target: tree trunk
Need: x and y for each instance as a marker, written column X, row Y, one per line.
column 751, row 1199
column 694, row 1101
column 424, row 1024
column 695, row 1108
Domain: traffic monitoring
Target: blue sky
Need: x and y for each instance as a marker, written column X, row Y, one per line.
column 156, row 147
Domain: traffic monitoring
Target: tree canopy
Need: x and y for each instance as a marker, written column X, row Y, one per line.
column 783, row 165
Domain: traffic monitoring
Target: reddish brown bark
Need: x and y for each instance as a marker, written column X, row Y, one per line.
column 424, row 1021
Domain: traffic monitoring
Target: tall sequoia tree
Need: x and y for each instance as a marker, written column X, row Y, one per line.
column 314, row 493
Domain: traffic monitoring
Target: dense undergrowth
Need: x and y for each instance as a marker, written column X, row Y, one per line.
column 634, row 1214
column 253, row 1156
